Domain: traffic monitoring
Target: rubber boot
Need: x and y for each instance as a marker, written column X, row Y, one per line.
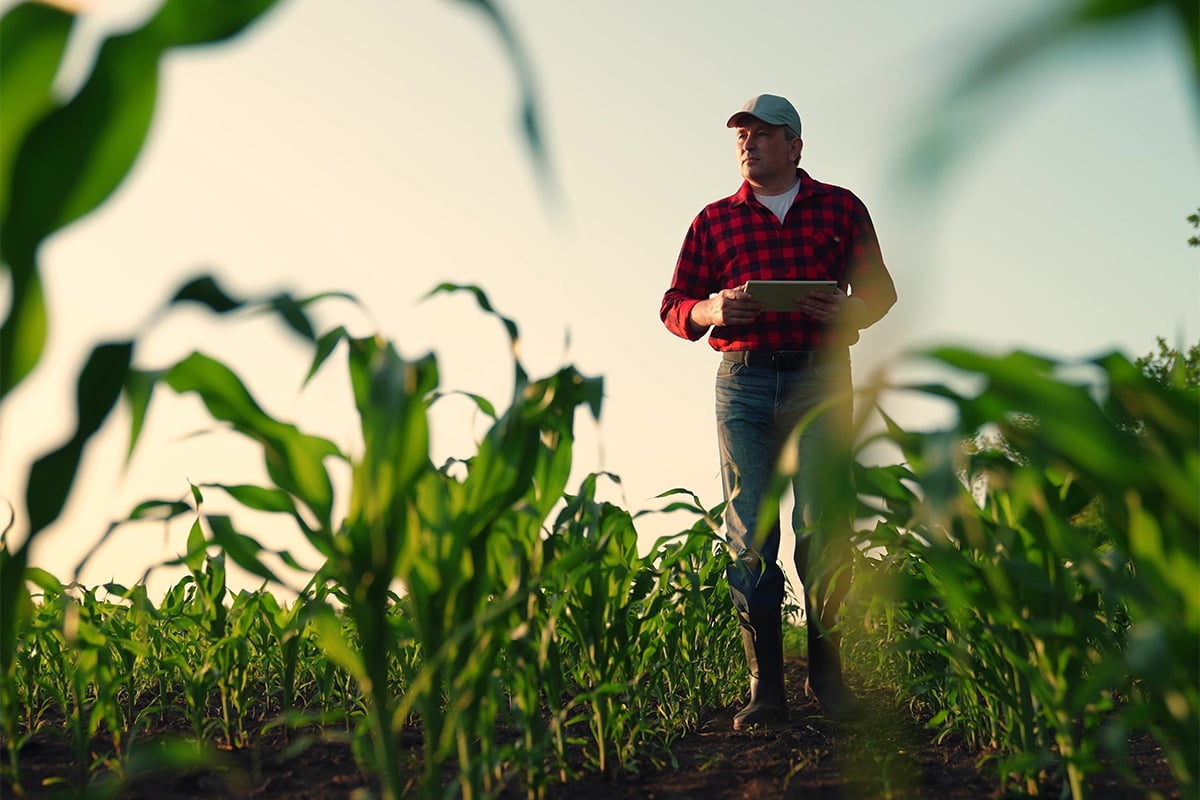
column 825, row 681
column 762, row 638
column 823, row 596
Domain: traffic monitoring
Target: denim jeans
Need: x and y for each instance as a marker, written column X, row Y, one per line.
column 757, row 408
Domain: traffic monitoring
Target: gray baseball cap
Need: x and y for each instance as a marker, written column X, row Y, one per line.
column 771, row 109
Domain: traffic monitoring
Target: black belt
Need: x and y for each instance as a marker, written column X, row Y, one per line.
column 786, row 360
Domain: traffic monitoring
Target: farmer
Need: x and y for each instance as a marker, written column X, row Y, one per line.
column 775, row 368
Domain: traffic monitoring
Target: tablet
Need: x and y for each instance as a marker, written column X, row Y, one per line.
column 781, row 295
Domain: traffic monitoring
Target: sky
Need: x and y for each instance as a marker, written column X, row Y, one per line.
column 373, row 147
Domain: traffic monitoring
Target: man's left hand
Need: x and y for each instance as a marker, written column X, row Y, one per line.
column 833, row 307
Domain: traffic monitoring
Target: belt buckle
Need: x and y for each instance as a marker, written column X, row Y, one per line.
column 785, row 361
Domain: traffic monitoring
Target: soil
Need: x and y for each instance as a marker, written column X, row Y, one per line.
column 889, row 755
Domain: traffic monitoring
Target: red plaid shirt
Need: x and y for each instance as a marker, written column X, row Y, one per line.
column 826, row 235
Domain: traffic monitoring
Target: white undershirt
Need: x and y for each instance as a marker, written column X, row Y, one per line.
column 779, row 203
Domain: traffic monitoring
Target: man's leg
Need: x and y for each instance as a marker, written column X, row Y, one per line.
column 825, row 588
column 824, row 508
column 748, row 443
column 762, row 639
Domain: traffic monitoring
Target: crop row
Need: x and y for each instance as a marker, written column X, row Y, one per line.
column 1034, row 593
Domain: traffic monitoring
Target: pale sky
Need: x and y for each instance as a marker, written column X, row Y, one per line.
column 373, row 147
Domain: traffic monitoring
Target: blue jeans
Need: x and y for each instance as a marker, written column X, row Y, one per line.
column 757, row 410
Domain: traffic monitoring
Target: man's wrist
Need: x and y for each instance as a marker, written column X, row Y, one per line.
column 697, row 317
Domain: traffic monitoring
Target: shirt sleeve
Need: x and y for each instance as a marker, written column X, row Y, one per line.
column 691, row 283
column 868, row 276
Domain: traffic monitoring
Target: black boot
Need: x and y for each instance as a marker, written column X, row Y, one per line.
column 762, row 637
column 824, row 592
column 824, row 680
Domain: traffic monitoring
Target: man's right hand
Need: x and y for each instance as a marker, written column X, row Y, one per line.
column 724, row 308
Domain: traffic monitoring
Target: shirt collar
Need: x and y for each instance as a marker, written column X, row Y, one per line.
column 808, row 186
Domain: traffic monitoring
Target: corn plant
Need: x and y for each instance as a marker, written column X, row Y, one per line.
column 480, row 572
column 537, row 687
column 439, row 536
column 600, row 617
column 276, row 630
column 688, row 616
column 62, row 157
column 65, row 159
column 130, row 629
column 37, row 682
column 1026, row 621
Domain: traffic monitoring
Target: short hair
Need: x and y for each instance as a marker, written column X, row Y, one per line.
column 789, row 135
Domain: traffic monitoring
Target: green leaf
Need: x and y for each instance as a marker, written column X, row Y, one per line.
column 61, row 162
column 260, row 498
column 159, row 510
column 293, row 314
column 139, row 390
column 195, row 548
column 207, row 292
column 52, row 475
column 333, row 641
column 294, row 460
column 243, row 549
column 23, row 333
column 181, row 23
column 481, row 402
column 528, row 114
column 277, row 501
column 551, row 472
column 325, row 347
column 79, row 153
column 44, row 580
column 33, row 37
column 484, row 303
column 395, row 431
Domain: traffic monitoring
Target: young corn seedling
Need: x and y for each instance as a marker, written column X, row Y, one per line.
column 1023, row 572
column 407, row 522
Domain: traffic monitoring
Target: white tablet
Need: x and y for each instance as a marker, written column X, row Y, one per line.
column 781, row 295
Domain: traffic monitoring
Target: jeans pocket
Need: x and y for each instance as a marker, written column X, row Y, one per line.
column 729, row 369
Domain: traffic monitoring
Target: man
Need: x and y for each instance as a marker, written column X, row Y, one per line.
column 776, row 368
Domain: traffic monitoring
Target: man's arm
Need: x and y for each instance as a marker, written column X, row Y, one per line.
column 680, row 310
column 696, row 302
column 872, row 287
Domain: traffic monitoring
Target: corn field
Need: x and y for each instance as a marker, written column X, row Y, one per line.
column 480, row 626
column 1037, row 598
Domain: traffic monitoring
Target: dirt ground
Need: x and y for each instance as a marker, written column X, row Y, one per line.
column 889, row 755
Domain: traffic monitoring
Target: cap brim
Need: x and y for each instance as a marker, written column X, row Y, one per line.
column 732, row 123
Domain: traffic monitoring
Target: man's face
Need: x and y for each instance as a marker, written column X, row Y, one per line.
column 766, row 158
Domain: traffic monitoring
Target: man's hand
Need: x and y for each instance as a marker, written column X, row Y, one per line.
column 726, row 307
column 833, row 307
column 736, row 307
